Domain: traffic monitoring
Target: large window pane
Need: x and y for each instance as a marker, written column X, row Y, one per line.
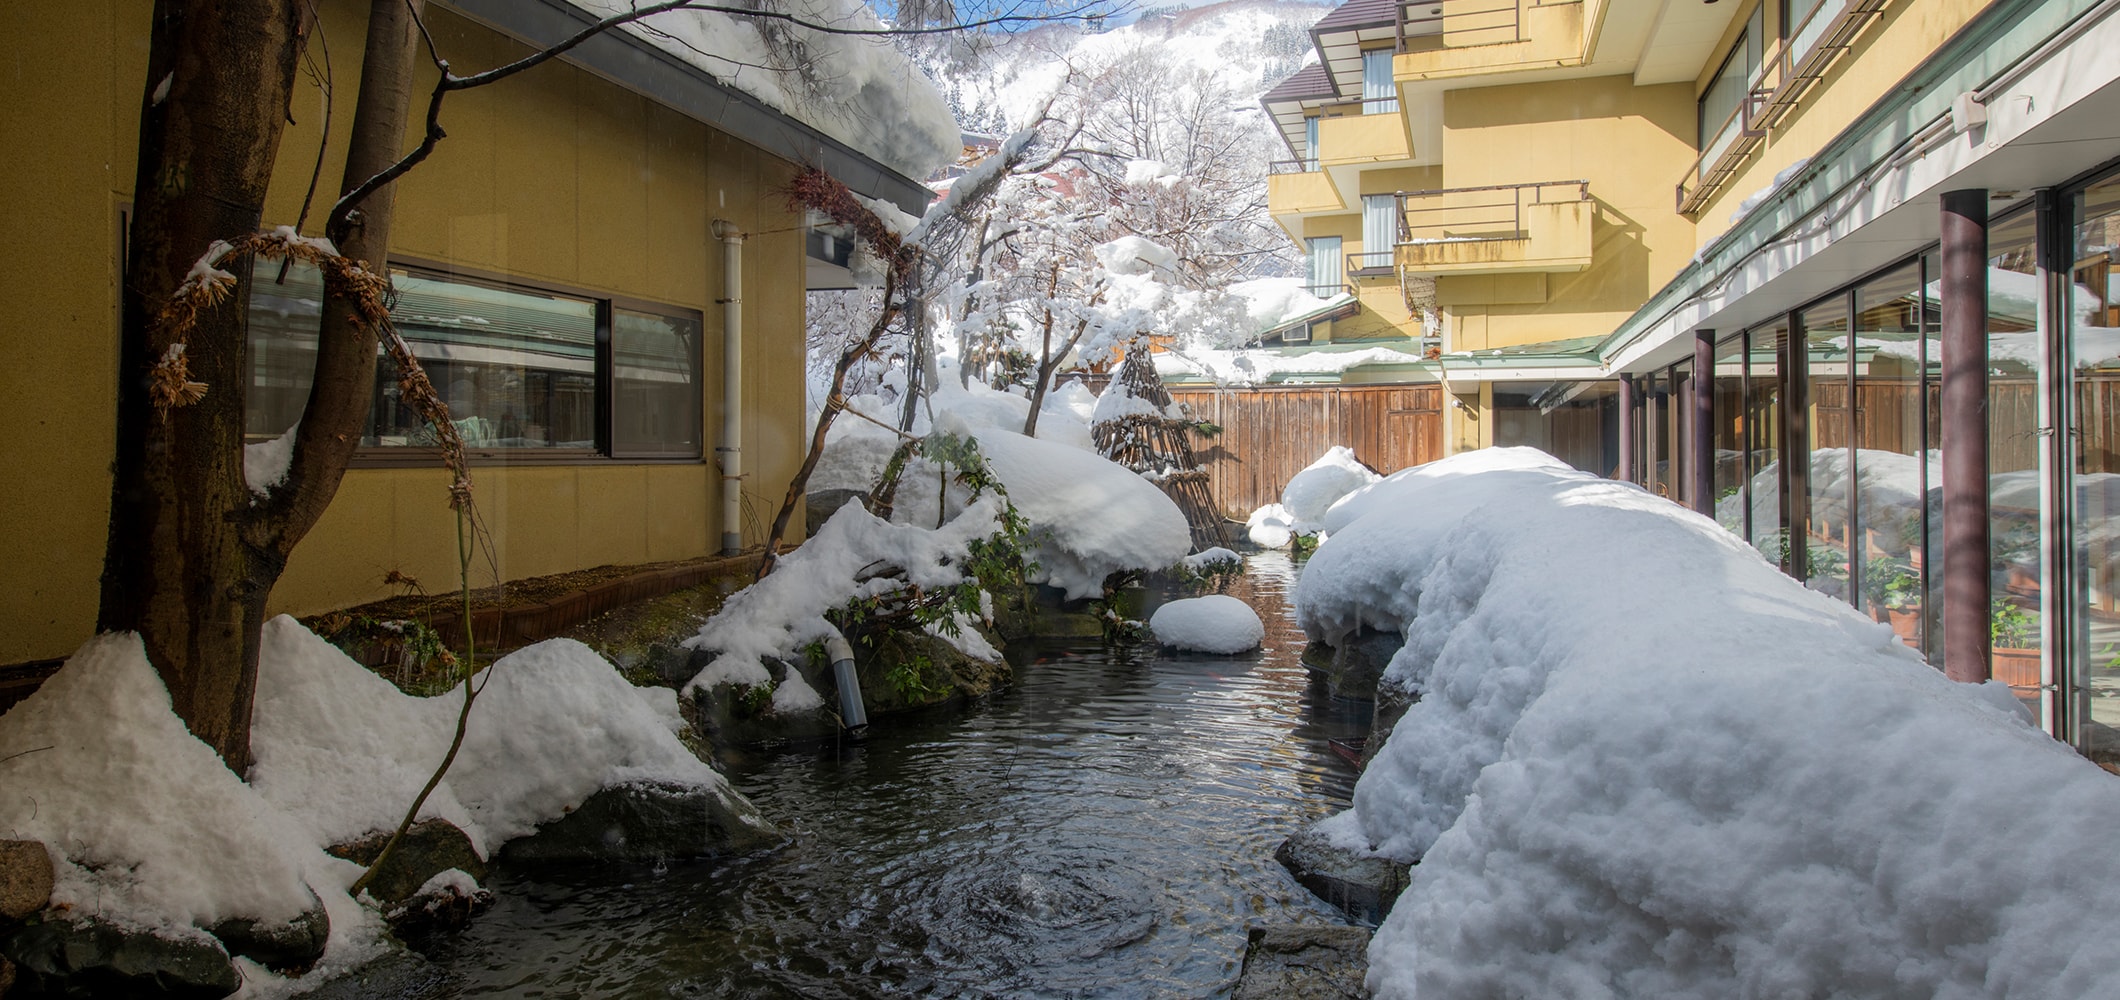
column 1731, row 500
column 1572, row 421
column 517, row 367
column 654, row 384
column 1894, row 461
column 1763, row 434
column 1831, row 555
column 1380, row 94
column 2013, row 453
column 2095, row 389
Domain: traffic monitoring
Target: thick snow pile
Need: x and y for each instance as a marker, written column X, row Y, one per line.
column 1270, row 527
column 1132, row 255
column 1258, row 366
column 154, row 830
column 1646, row 764
column 784, row 612
column 1216, row 623
column 1313, row 491
column 857, row 89
column 1269, row 302
column 344, row 752
column 1089, row 517
column 149, row 829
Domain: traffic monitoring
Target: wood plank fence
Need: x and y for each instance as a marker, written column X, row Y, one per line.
column 1270, row 433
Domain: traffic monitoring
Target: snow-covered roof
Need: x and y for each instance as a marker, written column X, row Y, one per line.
column 849, row 104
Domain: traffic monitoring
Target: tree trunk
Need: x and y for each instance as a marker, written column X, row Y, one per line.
column 192, row 555
column 175, row 569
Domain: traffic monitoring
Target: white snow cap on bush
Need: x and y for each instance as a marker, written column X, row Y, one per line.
column 1089, row 516
column 1313, row 491
column 1133, row 255
column 1644, row 763
column 1216, row 623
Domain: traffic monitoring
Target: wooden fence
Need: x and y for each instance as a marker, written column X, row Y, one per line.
column 1269, row 434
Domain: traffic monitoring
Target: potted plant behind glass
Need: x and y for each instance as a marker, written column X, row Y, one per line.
column 1892, row 590
column 2013, row 634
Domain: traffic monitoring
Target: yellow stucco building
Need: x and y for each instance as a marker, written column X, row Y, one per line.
column 1838, row 273
column 559, row 274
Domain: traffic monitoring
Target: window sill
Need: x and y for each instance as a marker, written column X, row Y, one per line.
column 415, row 458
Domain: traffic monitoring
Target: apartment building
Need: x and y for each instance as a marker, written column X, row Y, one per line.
column 1836, row 272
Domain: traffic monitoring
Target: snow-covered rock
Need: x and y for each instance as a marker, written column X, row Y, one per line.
column 1270, row 527
column 1313, row 491
column 1089, row 516
column 1645, row 763
column 1216, row 623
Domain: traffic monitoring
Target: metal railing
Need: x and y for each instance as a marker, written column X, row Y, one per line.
column 1326, row 291
column 1374, row 262
column 1478, row 214
column 1292, row 166
column 1459, row 23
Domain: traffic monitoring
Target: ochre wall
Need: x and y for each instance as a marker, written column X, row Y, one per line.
column 1620, row 138
column 554, row 177
column 1899, row 40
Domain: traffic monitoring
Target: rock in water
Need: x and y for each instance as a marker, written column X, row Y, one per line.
column 429, row 848
column 648, row 821
column 67, row 957
column 1362, row 886
column 290, row 946
column 1304, row 962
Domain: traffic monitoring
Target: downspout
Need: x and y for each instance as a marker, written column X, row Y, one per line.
column 852, row 713
column 730, row 451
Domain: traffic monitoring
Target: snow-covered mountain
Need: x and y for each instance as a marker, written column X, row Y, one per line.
column 995, row 82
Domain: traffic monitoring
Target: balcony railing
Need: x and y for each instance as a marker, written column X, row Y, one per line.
column 1375, row 262
column 1292, row 167
column 1826, row 32
column 1462, row 23
column 1477, row 214
column 1738, row 136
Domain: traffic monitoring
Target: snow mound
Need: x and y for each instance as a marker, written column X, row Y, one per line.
column 780, row 614
column 1089, row 517
column 1313, row 491
column 1270, row 527
column 1216, row 623
column 343, row 751
column 1608, row 799
column 146, row 826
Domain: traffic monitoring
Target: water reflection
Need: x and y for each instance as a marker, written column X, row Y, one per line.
column 1104, row 828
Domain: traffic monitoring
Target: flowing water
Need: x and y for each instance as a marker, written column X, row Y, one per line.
column 1103, row 828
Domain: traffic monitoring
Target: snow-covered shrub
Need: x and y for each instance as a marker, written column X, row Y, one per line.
column 1270, row 527
column 1644, row 763
column 1313, row 491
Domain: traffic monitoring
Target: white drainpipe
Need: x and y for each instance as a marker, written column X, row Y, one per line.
column 731, row 448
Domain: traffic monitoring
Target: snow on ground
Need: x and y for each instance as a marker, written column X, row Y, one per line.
column 1216, row 623
column 1644, row 763
column 149, row 829
column 1313, row 491
column 777, row 616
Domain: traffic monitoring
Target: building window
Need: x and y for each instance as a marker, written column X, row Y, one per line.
column 1380, row 230
column 1380, row 96
column 1326, row 280
column 1310, row 143
column 1722, row 104
column 521, row 368
column 2093, row 584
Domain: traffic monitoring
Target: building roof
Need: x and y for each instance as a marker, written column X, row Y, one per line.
column 1292, row 99
column 1341, row 35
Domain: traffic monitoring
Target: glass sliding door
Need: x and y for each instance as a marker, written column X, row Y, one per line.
column 1732, row 501
column 1831, row 554
column 1763, row 440
column 2094, row 473
column 1894, row 463
column 2014, row 443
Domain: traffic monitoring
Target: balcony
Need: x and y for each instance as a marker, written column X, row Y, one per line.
column 1497, row 229
column 1299, row 188
column 1441, row 39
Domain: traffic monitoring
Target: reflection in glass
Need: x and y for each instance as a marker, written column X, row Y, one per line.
column 2013, row 453
column 1729, row 478
column 1895, row 464
column 1763, row 440
column 2094, row 351
column 655, row 384
column 1832, row 557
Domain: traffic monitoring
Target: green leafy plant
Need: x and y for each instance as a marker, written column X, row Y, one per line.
column 2012, row 627
column 1891, row 583
column 909, row 677
column 1208, row 576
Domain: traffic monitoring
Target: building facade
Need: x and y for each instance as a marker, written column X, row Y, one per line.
column 558, row 271
column 1835, row 272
